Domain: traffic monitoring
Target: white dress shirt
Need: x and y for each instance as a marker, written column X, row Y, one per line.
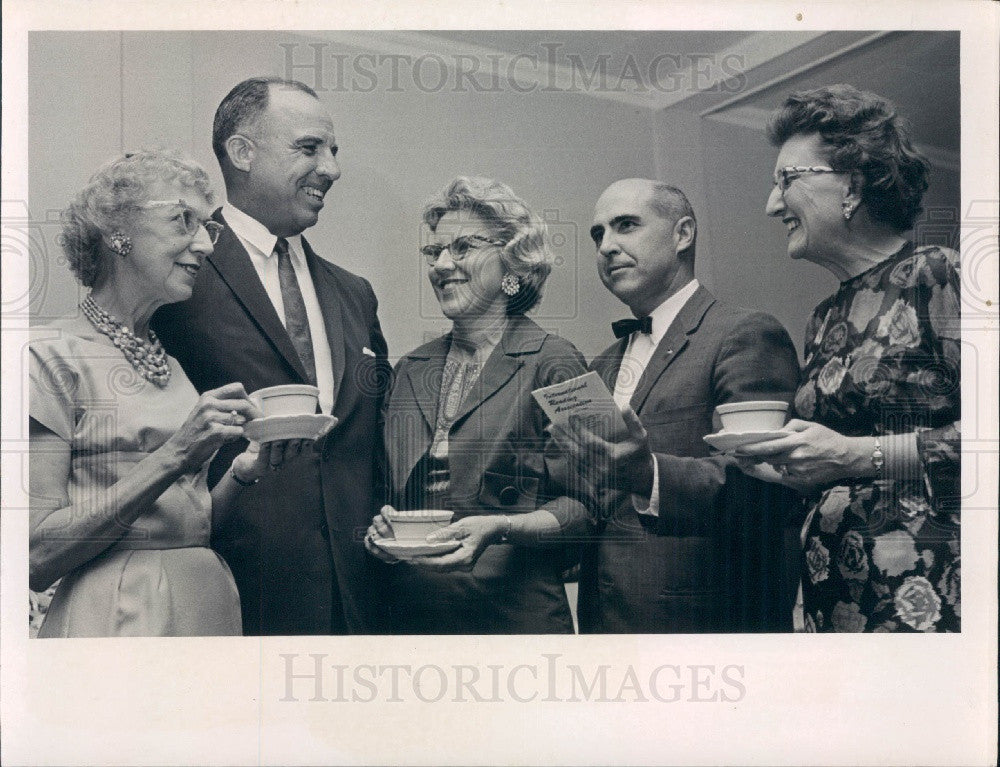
column 259, row 244
column 637, row 355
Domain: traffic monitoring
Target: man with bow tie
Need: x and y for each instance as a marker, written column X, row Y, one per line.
column 268, row 310
column 686, row 543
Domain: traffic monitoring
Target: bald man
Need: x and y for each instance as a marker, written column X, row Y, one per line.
column 686, row 542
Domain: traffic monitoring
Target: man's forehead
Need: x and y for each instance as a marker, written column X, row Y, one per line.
column 624, row 198
column 297, row 111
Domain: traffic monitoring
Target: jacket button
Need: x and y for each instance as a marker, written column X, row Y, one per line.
column 324, row 530
column 508, row 496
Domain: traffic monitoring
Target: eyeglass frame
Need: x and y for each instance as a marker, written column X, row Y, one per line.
column 431, row 258
column 214, row 228
column 781, row 175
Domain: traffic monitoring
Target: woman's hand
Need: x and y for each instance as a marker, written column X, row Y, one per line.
column 218, row 418
column 379, row 528
column 472, row 534
column 767, row 473
column 812, row 455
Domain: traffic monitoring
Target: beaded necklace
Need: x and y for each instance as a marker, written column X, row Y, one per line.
column 148, row 357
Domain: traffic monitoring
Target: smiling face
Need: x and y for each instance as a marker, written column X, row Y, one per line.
column 637, row 247
column 469, row 288
column 810, row 208
column 164, row 261
column 292, row 164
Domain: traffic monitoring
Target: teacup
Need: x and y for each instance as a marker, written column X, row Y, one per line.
column 289, row 399
column 416, row 524
column 760, row 415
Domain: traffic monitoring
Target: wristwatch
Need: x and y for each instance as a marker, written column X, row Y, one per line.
column 878, row 457
column 505, row 535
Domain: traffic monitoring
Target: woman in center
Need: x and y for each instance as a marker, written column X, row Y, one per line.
column 464, row 434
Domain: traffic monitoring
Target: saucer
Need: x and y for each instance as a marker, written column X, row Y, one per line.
column 278, row 427
column 725, row 441
column 407, row 549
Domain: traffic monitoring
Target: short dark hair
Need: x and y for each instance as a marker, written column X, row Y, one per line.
column 865, row 134
column 672, row 204
column 243, row 107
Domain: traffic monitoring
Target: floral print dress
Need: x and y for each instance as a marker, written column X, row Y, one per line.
column 882, row 357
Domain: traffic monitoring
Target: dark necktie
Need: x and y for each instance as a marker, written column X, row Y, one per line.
column 622, row 328
column 296, row 321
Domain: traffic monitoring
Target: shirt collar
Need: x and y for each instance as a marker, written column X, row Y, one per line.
column 251, row 231
column 664, row 314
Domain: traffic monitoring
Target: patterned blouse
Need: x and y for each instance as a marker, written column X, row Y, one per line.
column 882, row 357
column 429, row 481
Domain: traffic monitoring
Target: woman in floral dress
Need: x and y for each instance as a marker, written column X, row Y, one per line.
column 876, row 447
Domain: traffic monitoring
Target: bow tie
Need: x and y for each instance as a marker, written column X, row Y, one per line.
column 622, row 328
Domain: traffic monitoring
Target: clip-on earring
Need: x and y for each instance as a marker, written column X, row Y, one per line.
column 848, row 209
column 120, row 243
column 510, row 284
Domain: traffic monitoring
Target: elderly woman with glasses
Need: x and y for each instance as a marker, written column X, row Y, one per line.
column 120, row 508
column 875, row 448
column 464, row 434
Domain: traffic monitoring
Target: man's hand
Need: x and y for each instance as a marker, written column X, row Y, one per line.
column 621, row 462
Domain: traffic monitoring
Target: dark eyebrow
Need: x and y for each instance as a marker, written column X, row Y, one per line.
column 597, row 229
column 312, row 140
column 625, row 217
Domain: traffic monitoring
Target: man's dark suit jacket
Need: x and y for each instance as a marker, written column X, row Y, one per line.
column 295, row 542
column 712, row 560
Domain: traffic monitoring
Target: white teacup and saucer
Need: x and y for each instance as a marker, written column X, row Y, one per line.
column 289, row 413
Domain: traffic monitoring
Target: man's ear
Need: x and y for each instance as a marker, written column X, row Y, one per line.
column 684, row 233
column 240, row 151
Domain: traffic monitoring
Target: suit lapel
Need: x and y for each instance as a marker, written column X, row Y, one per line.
column 609, row 362
column 673, row 343
column 233, row 264
column 331, row 305
column 423, row 376
column 522, row 336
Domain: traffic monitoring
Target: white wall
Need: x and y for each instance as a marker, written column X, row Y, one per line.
column 556, row 150
column 93, row 95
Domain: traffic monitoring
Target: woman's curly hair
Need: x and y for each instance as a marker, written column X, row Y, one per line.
column 865, row 134
column 526, row 251
column 118, row 187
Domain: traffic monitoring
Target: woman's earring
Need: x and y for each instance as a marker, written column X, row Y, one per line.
column 121, row 243
column 847, row 208
column 510, row 284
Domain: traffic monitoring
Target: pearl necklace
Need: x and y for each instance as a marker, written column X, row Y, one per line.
column 147, row 357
